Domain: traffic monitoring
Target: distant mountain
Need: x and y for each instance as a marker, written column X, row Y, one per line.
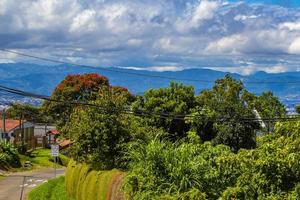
column 43, row 79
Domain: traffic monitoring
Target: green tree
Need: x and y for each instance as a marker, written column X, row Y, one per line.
column 176, row 100
column 100, row 132
column 29, row 112
column 297, row 108
column 266, row 104
column 220, row 113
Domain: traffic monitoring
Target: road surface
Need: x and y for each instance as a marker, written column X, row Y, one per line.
column 11, row 186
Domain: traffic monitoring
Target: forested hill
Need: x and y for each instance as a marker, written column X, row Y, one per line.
column 43, row 79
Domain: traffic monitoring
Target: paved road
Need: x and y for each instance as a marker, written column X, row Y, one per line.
column 11, row 186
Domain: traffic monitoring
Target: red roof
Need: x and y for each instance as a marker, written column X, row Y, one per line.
column 54, row 132
column 65, row 143
column 10, row 124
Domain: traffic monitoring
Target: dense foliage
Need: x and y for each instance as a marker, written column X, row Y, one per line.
column 297, row 108
column 175, row 100
column 9, row 156
column 101, row 131
column 220, row 113
column 190, row 170
column 26, row 112
column 178, row 145
column 73, row 88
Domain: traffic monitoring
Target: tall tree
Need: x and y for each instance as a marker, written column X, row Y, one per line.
column 297, row 108
column 73, row 88
column 28, row 112
column 164, row 106
column 266, row 104
column 100, row 132
column 220, row 113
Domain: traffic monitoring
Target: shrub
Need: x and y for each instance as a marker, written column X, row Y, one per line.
column 9, row 156
column 171, row 170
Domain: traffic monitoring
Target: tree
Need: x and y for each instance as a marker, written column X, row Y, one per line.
column 297, row 108
column 266, row 104
column 100, row 132
column 176, row 100
column 220, row 113
column 28, row 112
column 73, row 88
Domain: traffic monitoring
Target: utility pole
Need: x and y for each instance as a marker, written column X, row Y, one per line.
column 21, row 129
column 4, row 123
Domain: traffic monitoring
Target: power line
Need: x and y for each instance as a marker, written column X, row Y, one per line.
column 138, row 74
column 143, row 113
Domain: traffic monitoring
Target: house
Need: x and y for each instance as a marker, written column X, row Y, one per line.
column 45, row 134
column 16, row 130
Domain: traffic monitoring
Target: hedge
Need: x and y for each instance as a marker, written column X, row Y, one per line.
column 83, row 183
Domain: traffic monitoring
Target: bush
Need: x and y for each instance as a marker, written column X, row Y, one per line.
column 9, row 156
column 172, row 170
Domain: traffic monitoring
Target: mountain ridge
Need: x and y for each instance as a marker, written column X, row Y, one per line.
column 42, row 79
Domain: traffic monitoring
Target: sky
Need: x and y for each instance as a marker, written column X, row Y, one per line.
column 158, row 35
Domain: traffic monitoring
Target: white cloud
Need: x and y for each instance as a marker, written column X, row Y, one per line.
column 227, row 45
column 254, row 42
column 204, row 11
column 158, row 68
column 294, row 48
column 293, row 26
column 7, row 57
column 250, row 69
column 245, row 17
column 156, row 33
column 197, row 15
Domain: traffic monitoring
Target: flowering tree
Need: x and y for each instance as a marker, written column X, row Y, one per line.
column 74, row 88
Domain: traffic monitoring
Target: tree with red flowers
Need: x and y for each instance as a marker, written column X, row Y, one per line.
column 74, row 88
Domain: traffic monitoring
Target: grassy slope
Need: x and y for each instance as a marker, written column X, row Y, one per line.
column 54, row 189
column 84, row 183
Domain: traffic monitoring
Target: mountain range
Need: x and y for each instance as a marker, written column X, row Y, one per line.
column 42, row 79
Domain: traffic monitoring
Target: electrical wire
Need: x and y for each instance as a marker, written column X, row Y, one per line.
column 146, row 114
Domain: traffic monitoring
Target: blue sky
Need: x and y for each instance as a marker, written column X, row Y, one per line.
column 236, row 36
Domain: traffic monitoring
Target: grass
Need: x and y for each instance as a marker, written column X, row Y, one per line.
column 83, row 183
column 40, row 158
column 54, row 189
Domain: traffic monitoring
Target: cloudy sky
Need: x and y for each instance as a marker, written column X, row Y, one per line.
column 235, row 36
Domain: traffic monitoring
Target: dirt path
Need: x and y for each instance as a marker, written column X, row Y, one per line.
column 11, row 186
column 115, row 191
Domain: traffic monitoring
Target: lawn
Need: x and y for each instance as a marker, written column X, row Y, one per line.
column 40, row 158
column 54, row 189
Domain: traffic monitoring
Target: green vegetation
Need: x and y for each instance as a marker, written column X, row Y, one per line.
column 72, row 88
column 177, row 145
column 176, row 99
column 271, row 171
column 84, row 183
column 29, row 112
column 42, row 158
column 297, row 108
column 101, row 135
column 52, row 190
column 9, row 156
